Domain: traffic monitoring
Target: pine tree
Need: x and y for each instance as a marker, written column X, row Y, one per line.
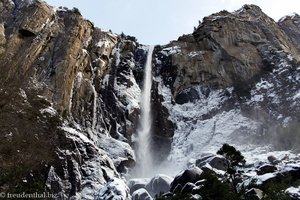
column 234, row 158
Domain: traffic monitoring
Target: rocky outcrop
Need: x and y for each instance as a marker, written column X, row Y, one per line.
column 225, row 49
column 54, row 107
column 290, row 25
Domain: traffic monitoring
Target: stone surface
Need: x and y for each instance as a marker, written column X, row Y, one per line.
column 224, row 50
column 290, row 25
column 52, row 64
column 191, row 175
column 217, row 162
column 255, row 194
column 158, row 185
column 266, row 169
column 141, row 194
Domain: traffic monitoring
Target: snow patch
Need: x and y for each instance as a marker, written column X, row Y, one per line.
column 171, row 50
column 114, row 190
column 23, row 94
column 297, row 95
column 294, row 192
column 195, row 53
column 49, row 110
column 291, row 16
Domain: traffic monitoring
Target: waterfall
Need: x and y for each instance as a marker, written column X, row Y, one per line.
column 144, row 156
column 94, row 122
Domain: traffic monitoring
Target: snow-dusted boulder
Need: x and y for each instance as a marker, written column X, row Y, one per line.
column 191, row 175
column 141, row 194
column 255, row 194
column 159, row 184
column 114, row 190
column 215, row 161
column 135, row 184
column 294, row 192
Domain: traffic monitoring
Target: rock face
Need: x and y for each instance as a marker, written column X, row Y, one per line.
column 226, row 49
column 61, row 112
column 70, row 96
column 70, row 101
column 234, row 80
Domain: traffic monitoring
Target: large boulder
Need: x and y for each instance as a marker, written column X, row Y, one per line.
column 191, row 175
column 159, row 184
column 141, row 194
column 135, row 184
column 215, row 161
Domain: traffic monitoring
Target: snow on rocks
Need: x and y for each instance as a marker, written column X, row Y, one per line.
column 130, row 94
column 291, row 16
column 155, row 186
column 141, row 194
column 171, row 50
column 49, row 110
column 100, row 175
column 120, row 152
column 294, row 192
column 159, row 184
column 115, row 189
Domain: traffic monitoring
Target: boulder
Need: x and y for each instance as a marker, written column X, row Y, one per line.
column 141, row 194
column 266, row 169
column 273, row 160
column 217, row 162
column 135, row 184
column 115, row 189
column 191, row 175
column 188, row 188
column 254, row 194
column 159, row 184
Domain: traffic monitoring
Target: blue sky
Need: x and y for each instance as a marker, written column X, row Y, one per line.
column 160, row 21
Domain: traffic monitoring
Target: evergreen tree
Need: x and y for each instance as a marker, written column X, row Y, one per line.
column 234, row 158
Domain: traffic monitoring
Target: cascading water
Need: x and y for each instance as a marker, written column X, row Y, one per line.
column 144, row 156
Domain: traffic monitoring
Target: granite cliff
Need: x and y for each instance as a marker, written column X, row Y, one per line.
column 70, row 96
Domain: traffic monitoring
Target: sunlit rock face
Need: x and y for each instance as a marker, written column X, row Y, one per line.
column 235, row 79
column 70, row 96
column 58, row 123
